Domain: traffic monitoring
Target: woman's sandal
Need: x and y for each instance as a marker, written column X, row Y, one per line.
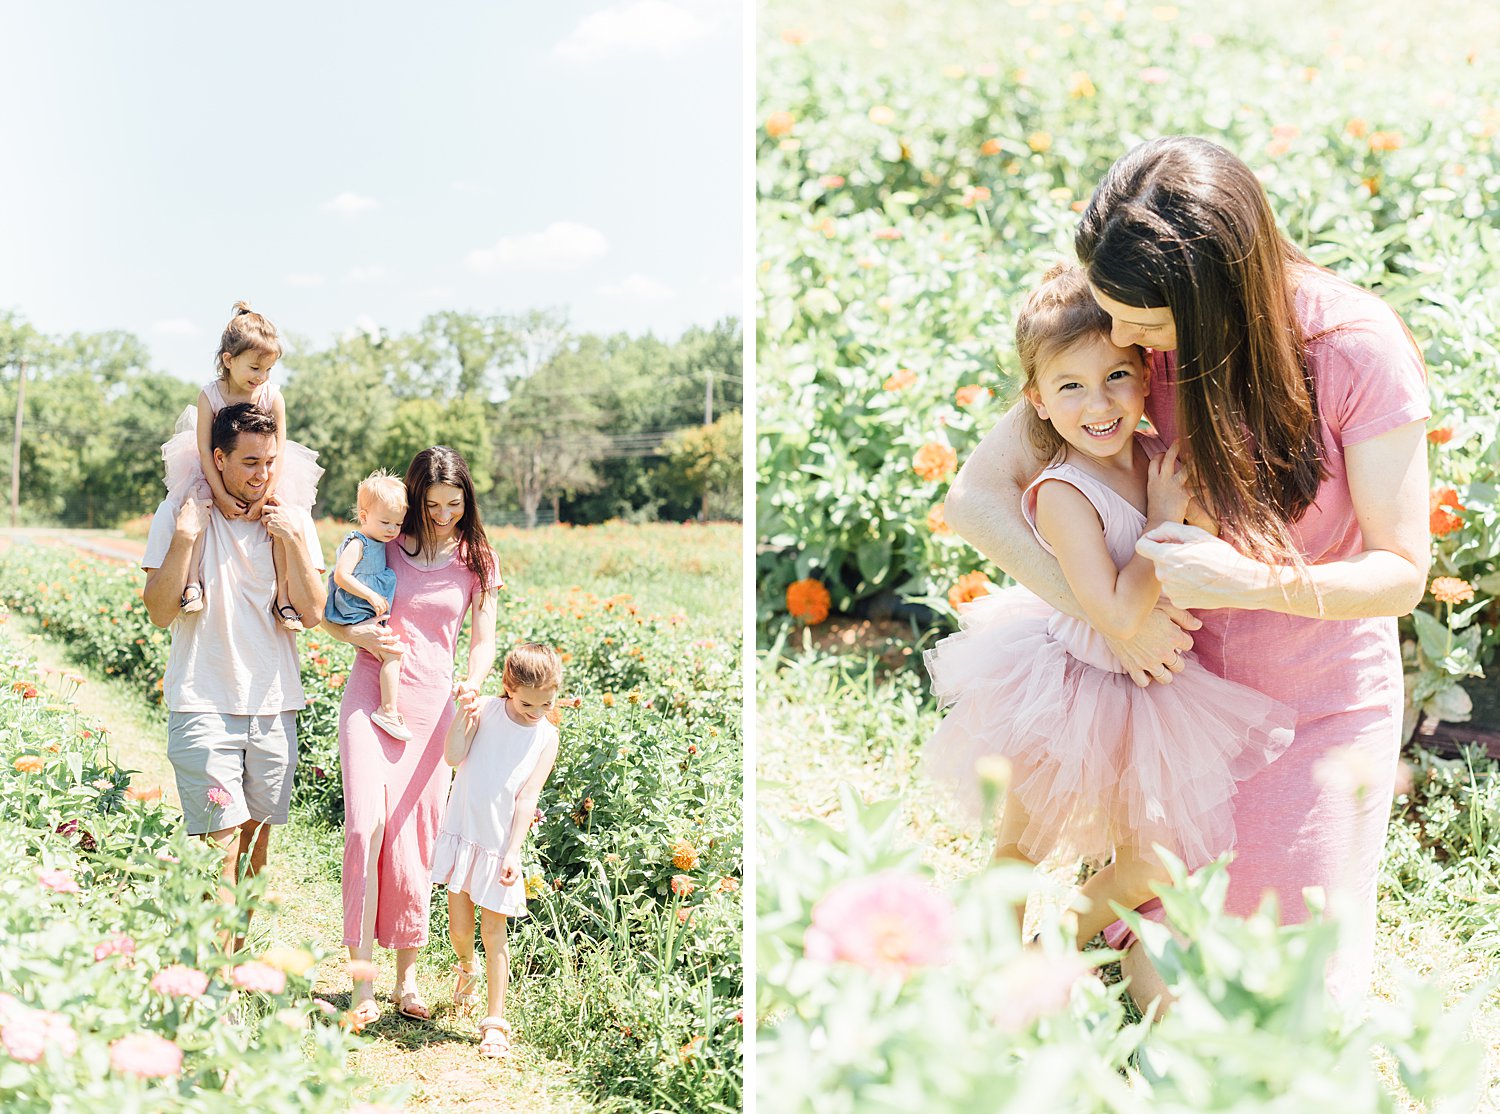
column 287, row 616
column 409, row 1003
column 192, row 599
column 494, row 1037
column 465, row 988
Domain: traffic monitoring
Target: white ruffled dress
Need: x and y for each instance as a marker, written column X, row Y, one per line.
column 475, row 832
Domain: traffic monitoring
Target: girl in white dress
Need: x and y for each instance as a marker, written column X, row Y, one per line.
column 503, row 749
column 248, row 349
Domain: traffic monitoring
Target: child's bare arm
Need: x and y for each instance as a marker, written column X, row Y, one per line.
column 1115, row 601
column 343, row 576
column 520, row 824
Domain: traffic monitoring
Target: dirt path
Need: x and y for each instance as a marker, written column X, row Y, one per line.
column 437, row 1060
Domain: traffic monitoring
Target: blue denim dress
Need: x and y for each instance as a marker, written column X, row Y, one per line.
column 372, row 571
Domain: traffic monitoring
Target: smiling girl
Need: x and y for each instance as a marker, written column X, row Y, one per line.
column 1100, row 767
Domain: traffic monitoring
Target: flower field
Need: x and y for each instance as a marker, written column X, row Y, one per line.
column 629, row 967
column 919, row 166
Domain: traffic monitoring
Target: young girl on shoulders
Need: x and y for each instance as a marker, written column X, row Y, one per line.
column 248, row 349
column 362, row 587
column 504, row 748
column 1100, row 768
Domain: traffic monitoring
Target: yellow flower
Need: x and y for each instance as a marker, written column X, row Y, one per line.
column 1079, row 84
column 534, row 886
column 1040, row 142
column 883, row 115
column 291, row 961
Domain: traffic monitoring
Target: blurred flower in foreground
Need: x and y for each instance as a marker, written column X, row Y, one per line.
column 1350, row 771
column 1035, row 984
column 807, row 600
column 890, row 921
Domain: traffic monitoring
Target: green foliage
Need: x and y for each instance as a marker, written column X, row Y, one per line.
column 707, row 461
column 139, row 877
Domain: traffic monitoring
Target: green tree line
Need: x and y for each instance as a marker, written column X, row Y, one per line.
column 551, row 420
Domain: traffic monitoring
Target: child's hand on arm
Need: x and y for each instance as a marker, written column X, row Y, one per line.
column 1167, row 493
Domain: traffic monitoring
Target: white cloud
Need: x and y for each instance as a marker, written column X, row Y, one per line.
column 433, row 294
column 462, row 186
column 373, row 273
column 557, row 247
column 304, row 280
column 175, row 326
column 644, row 26
column 638, row 288
column 350, row 205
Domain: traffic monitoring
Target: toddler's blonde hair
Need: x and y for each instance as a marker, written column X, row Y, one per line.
column 532, row 665
column 382, row 489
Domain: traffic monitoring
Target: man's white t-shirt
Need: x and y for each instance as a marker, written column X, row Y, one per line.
column 232, row 657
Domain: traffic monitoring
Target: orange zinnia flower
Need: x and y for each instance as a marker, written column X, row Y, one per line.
column 970, row 587
column 1357, row 128
column 934, row 461
column 1385, row 141
column 29, row 764
column 937, row 522
column 1450, row 589
column 684, row 855
column 1442, row 503
column 808, row 600
column 1440, row 436
column 968, row 396
column 901, row 379
column 990, row 147
column 779, row 124
column 145, row 793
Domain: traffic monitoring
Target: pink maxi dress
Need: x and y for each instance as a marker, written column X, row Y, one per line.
column 1343, row 677
column 402, row 786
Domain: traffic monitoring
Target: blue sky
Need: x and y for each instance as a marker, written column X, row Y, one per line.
column 347, row 165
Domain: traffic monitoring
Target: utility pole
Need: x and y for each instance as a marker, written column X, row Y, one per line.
column 708, row 420
column 15, row 448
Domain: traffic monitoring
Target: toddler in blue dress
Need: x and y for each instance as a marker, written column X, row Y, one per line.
column 363, row 587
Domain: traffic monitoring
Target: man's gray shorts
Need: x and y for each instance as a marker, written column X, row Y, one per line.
column 249, row 757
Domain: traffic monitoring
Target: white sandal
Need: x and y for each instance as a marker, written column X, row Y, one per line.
column 494, row 1038
column 463, row 999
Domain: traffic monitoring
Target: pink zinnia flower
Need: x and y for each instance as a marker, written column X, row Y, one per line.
column 683, row 886
column 219, row 796
column 58, row 881
column 146, row 1056
column 26, row 1032
column 888, row 921
column 362, row 970
column 178, row 981
column 1153, row 75
column 115, row 944
column 258, row 976
column 1035, row 985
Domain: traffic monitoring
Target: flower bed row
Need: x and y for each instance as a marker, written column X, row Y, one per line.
column 119, row 992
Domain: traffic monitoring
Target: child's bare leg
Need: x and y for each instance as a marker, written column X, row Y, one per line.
column 1013, row 822
column 390, row 683
column 192, row 591
column 286, row 614
column 461, row 927
column 496, row 959
column 1127, row 882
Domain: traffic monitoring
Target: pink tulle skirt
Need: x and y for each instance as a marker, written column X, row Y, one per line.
column 297, row 473
column 1097, row 763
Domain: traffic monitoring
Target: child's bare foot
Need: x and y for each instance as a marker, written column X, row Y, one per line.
column 391, row 723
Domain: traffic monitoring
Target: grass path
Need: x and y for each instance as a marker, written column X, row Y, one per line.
column 437, row 1060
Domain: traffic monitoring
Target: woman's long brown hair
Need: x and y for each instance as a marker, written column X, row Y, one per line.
column 1180, row 222
column 442, row 465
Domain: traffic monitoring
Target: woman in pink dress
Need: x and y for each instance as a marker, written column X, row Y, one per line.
column 394, row 791
column 1300, row 403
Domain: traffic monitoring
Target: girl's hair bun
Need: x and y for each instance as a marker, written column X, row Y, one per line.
column 242, row 307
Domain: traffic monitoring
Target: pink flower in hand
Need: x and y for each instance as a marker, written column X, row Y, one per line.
column 146, row 1056
column 219, row 796
column 891, row 921
column 258, row 976
column 178, row 981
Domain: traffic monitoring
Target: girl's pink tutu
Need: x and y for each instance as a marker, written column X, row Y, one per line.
column 298, row 470
column 1096, row 761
